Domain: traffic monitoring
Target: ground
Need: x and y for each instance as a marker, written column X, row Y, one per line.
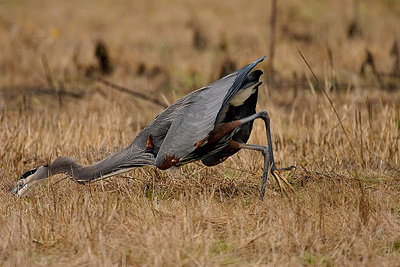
column 345, row 207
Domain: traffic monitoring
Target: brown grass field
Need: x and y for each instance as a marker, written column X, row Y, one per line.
column 345, row 209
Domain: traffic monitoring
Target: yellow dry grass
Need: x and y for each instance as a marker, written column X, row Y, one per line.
column 345, row 209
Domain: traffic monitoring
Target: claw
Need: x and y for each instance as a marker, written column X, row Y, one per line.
column 286, row 169
column 284, row 185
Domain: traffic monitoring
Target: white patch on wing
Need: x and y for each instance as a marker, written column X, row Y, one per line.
column 243, row 95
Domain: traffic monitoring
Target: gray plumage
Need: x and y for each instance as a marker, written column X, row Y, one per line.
column 209, row 124
column 195, row 121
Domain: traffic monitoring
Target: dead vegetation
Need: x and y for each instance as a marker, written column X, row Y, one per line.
column 345, row 209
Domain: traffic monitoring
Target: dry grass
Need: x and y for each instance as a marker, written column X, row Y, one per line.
column 345, row 209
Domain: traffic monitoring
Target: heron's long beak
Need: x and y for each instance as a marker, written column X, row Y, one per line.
column 19, row 187
column 22, row 187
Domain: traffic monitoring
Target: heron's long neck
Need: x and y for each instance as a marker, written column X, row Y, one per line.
column 119, row 162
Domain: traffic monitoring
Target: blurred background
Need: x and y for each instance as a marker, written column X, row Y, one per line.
column 166, row 47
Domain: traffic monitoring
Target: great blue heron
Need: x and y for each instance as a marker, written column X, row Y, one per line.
column 209, row 124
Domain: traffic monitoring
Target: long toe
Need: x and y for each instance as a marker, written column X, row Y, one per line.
column 283, row 183
column 289, row 168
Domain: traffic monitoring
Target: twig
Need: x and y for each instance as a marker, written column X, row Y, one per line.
column 62, row 179
column 272, row 36
column 252, row 240
column 394, row 52
column 46, row 67
column 334, row 80
column 370, row 61
column 128, row 91
column 390, row 75
column 42, row 90
column 329, row 99
column 354, row 28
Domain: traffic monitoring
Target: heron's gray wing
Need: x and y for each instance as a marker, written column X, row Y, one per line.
column 195, row 121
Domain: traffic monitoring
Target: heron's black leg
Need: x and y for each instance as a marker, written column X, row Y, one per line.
column 282, row 182
column 264, row 151
column 268, row 154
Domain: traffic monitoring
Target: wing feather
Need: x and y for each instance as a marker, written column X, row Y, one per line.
column 195, row 121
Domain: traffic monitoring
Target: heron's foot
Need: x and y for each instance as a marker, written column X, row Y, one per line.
column 284, row 186
column 286, row 169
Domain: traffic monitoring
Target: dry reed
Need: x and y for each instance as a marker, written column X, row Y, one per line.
column 345, row 209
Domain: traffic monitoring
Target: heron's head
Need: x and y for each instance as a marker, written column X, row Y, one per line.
column 28, row 179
